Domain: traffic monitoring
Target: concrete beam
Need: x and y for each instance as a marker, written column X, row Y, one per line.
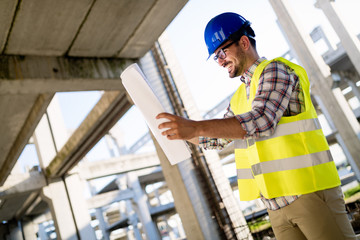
column 158, row 191
column 22, row 183
column 110, row 108
column 123, row 222
column 104, row 199
column 92, row 170
column 155, row 176
column 162, row 210
column 35, row 74
column 22, row 138
column 154, row 212
column 30, row 204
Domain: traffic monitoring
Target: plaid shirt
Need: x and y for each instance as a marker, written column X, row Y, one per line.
column 278, row 94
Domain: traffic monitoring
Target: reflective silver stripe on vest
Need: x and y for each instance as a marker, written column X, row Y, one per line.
column 294, row 127
column 243, row 144
column 282, row 130
column 292, row 163
column 244, row 173
column 240, row 144
column 251, row 141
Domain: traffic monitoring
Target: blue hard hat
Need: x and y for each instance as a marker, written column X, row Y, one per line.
column 220, row 28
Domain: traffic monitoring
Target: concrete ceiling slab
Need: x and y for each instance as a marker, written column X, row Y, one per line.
column 46, row 27
column 154, row 23
column 117, row 20
column 84, row 28
column 7, row 11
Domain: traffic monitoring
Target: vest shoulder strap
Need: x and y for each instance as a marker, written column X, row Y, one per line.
column 300, row 72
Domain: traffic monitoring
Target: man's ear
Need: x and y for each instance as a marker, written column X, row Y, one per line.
column 244, row 42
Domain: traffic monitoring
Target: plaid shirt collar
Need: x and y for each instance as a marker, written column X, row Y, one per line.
column 247, row 75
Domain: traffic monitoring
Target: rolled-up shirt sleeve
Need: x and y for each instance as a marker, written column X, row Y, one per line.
column 216, row 143
column 213, row 143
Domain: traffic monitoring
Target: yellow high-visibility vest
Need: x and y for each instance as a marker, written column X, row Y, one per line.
column 294, row 160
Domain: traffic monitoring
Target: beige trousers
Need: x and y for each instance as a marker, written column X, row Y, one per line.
column 316, row 216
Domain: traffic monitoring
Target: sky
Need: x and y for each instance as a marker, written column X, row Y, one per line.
column 208, row 82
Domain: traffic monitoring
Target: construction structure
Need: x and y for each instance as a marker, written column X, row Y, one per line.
column 146, row 198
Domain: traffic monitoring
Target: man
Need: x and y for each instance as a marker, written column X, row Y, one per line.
column 281, row 153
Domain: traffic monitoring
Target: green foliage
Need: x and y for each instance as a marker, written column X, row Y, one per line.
column 259, row 225
column 352, row 191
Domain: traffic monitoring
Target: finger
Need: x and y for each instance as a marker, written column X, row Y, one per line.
column 170, row 125
column 169, row 132
column 165, row 115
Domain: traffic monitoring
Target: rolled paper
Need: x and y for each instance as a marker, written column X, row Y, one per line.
column 149, row 105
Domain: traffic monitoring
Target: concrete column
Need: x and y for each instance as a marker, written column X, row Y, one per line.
column 102, row 224
column 75, row 187
column 348, row 112
column 50, row 134
column 55, row 194
column 133, row 220
column 142, row 209
column 338, row 137
column 100, row 217
column 319, row 74
column 43, row 142
column 117, row 136
column 71, row 216
column 29, row 229
column 189, row 200
column 348, row 40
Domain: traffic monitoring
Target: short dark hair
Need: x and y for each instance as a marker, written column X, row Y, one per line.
column 252, row 41
column 248, row 31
